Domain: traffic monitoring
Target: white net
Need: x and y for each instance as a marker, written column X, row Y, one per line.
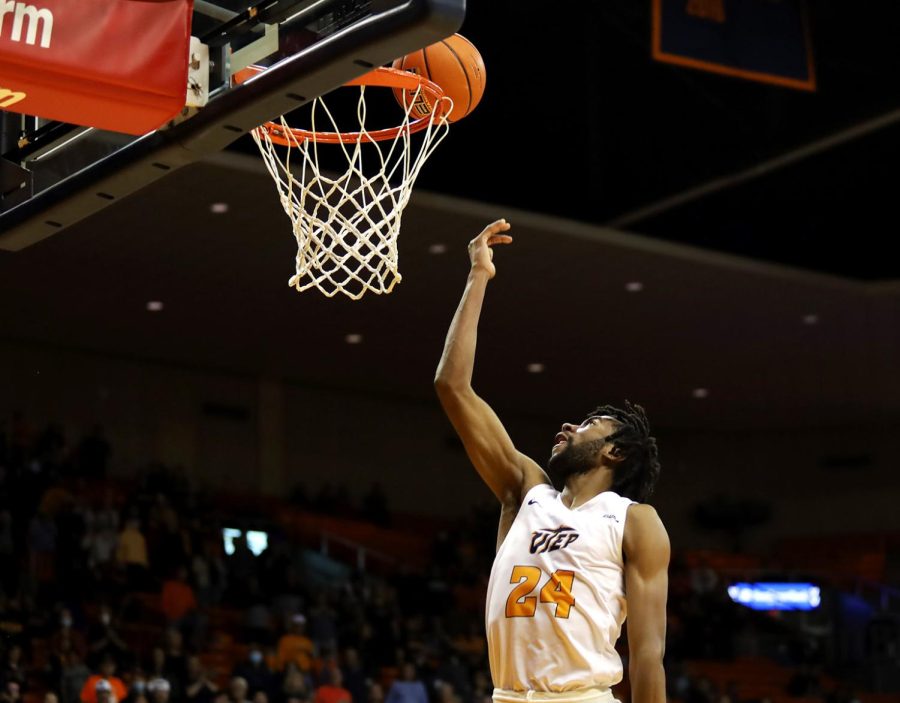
column 347, row 225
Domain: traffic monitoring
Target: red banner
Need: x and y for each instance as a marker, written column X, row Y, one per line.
column 119, row 65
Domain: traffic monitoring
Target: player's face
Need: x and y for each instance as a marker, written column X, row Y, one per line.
column 577, row 448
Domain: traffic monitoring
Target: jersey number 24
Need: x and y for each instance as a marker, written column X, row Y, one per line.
column 557, row 590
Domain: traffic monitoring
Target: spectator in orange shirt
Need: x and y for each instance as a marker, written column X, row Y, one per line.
column 333, row 690
column 104, row 687
column 178, row 600
column 295, row 646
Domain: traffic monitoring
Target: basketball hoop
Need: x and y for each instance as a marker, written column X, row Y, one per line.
column 347, row 226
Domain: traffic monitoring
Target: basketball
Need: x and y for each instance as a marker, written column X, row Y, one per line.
column 455, row 65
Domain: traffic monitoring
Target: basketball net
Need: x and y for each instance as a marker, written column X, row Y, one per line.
column 347, row 225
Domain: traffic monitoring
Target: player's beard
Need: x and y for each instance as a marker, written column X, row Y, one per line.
column 573, row 460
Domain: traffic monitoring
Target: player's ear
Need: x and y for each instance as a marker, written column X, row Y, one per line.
column 613, row 453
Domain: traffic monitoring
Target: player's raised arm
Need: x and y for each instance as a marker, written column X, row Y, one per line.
column 507, row 472
column 646, row 547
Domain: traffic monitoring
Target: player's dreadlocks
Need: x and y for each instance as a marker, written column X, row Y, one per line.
column 636, row 475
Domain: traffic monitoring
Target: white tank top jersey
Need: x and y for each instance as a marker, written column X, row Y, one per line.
column 555, row 596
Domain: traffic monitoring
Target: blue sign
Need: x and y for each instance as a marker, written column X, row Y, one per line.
column 776, row 596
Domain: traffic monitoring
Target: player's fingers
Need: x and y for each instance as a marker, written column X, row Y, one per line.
column 494, row 227
column 499, row 239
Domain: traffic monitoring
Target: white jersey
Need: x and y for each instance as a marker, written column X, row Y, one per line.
column 555, row 600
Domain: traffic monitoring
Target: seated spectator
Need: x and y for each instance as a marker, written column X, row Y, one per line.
column 482, row 686
column 104, row 687
column 102, row 536
column 295, row 646
column 157, row 665
column 376, row 694
column 175, row 663
column 237, row 690
column 160, row 690
column 73, row 675
column 10, row 692
column 137, row 688
column 198, row 688
column 354, row 676
column 451, row 671
column 12, row 670
column 256, row 672
column 295, row 683
column 408, row 689
column 104, row 641
column 446, row 693
column 66, row 638
column 332, row 690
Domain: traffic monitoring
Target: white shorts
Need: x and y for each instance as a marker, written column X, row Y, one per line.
column 583, row 695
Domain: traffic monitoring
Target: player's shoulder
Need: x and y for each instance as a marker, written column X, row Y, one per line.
column 643, row 513
column 644, row 529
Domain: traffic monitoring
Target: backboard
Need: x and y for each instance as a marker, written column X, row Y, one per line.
column 54, row 174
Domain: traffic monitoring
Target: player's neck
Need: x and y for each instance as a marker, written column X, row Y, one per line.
column 581, row 488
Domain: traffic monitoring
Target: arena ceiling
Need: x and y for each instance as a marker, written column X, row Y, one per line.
column 773, row 290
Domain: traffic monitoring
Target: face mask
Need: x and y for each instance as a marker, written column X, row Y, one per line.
column 139, row 686
column 256, row 656
column 105, row 618
column 66, row 622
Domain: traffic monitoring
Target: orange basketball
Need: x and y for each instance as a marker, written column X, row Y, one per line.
column 456, row 66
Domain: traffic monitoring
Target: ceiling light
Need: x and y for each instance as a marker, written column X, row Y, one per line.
column 437, row 249
column 811, row 319
column 353, row 339
column 218, row 208
column 634, row 286
column 700, row 393
column 535, row 368
column 155, row 306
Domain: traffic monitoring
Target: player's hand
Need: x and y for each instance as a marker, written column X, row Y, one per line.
column 480, row 253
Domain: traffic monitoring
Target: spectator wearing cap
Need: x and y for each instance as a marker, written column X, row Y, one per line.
column 295, row 646
column 159, row 690
column 104, row 687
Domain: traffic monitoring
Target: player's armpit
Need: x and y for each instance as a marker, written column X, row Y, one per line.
column 507, row 472
column 646, row 549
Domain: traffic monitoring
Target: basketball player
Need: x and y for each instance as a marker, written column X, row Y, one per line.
column 567, row 561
